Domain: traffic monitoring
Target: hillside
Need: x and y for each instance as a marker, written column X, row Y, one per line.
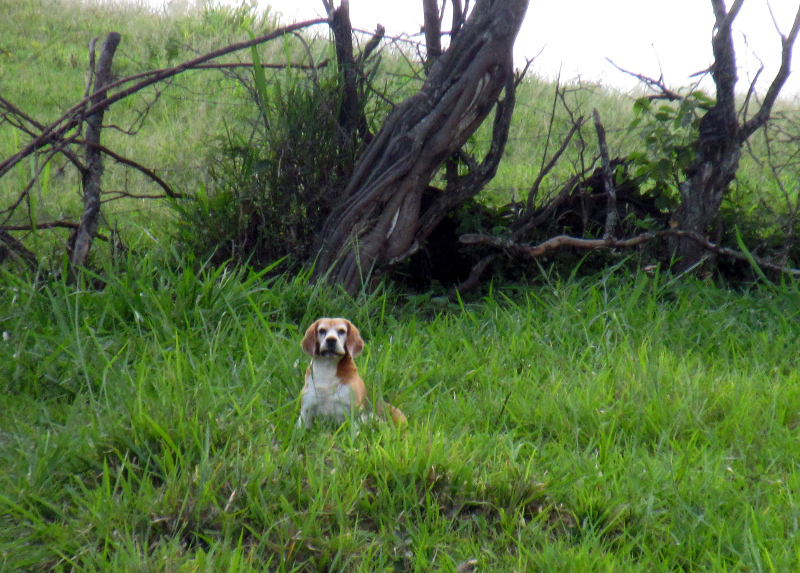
column 580, row 418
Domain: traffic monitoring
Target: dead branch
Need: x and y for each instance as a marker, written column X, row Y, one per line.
column 433, row 32
column 459, row 16
column 658, row 86
column 116, row 195
column 323, row 64
column 133, row 164
column 11, row 247
column 531, row 252
column 50, row 225
column 14, row 111
column 474, row 277
column 92, row 179
column 24, row 194
column 608, row 180
column 761, row 116
column 371, row 45
column 534, row 191
column 73, row 117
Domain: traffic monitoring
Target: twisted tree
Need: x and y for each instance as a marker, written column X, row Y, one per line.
column 380, row 217
column 719, row 145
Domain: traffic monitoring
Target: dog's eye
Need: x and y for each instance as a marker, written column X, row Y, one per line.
column 322, row 331
column 342, row 331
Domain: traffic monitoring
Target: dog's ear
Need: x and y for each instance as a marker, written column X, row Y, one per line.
column 354, row 344
column 309, row 343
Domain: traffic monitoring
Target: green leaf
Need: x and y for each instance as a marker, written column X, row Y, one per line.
column 641, row 104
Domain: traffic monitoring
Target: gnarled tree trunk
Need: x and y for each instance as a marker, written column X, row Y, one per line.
column 92, row 177
column 720, row 141
column 378, row 218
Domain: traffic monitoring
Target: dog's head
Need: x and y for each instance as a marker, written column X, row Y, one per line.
column 332, row 336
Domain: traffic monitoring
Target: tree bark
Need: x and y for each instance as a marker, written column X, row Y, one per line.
column 719, row 144
column 379, row 216
column 92, row 177
column 349, row 109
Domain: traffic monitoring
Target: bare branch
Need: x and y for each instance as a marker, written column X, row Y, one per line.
column 608, row 180
column 546, row 169
column 50, row 225
column 526, row 251
column 24, row 194
column 11, row 108
column 372, row 44
column 761, row 116
column 71, row 119
column 87, row 229
column 141, row 168
column 458, row 18
column 433, row 32
column 9, row 246
column 474, row 276
column 658, row 86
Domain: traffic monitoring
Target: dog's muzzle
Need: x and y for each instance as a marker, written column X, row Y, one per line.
column 330, row 346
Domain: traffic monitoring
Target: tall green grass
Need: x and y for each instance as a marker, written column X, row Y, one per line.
column 611, row 424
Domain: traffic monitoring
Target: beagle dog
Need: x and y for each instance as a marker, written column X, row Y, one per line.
column 333, row 387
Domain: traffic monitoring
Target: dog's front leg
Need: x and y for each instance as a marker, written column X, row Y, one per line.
column 307, row 409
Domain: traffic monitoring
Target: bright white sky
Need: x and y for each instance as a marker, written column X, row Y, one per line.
column 577, row 35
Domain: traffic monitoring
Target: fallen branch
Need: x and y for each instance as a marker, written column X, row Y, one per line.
column 49, row 225
column 527, row 251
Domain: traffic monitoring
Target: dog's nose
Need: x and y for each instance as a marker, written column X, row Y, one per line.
column 330, row 343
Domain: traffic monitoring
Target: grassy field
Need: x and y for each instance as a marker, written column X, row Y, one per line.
column 612, row 424
column 606, row 423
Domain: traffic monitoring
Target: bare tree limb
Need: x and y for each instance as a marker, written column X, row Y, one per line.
column 141, row 168
column 64, row 150
column 761, row 116
column 459, row 15
column 527, row 251
column 24, row 194
column 9, row 246
column 658, row 86
column 608, row 180
column 534, row 191
column 72, row 118
column 92, row 179
column 50, row 225
column 433, row 32
column 474, row 277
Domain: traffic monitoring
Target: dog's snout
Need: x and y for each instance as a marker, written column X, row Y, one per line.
column 331, row 342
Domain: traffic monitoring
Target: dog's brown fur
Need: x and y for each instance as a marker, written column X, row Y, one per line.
column 333, row 386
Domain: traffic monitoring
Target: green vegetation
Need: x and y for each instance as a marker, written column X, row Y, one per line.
column 205, row 135
column 611, row 424
column 603, row 423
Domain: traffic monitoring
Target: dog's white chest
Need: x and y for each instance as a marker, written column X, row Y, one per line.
column 323, row 394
